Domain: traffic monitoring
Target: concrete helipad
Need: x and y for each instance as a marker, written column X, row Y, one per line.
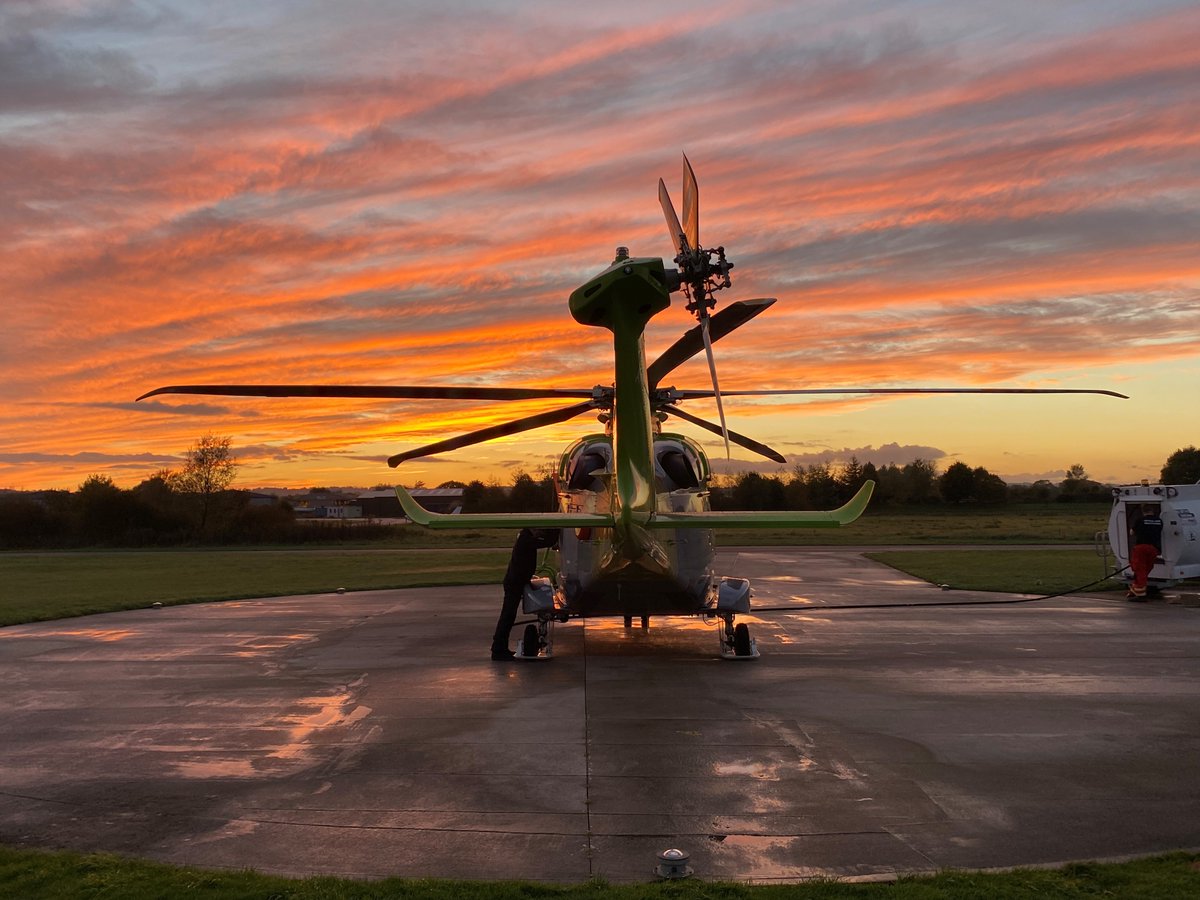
column 369, row 735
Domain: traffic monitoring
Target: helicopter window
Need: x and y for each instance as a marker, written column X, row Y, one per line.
column 678, row 469
column 582, row 478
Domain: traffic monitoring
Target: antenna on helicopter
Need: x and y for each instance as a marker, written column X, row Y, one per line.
column 702, row 271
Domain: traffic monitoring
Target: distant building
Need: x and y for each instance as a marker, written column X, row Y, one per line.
column 326, row 505
column 384, row 504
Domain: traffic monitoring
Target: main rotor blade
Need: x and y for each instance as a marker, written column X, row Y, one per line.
column 733, row 316
column 739, row 439
column 381, row 392
column 496, row 431
column 696, row 395
column 691, row 205
column 668, row 208
column 712, row 368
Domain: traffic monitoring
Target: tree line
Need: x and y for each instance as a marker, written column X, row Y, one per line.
column 196, row 506
column 915, row 484
column 191, row 506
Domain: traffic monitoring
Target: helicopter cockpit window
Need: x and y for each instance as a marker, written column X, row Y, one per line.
column 582, row 477
column 677, row 468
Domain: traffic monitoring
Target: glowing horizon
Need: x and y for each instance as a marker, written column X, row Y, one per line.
column 373, row 196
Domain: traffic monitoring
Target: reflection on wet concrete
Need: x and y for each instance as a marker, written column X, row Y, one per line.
column 327, row 711
column 104, row 635
column 375, row 738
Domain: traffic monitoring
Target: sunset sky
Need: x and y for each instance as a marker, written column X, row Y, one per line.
column 938, row 193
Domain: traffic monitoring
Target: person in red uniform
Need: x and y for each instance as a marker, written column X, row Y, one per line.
column 1146, row 537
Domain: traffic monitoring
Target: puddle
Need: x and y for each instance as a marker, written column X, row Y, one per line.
column 215, row 767
column 747, row 767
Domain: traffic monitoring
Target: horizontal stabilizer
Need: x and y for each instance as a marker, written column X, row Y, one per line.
column 421, row 516
column 832, row 518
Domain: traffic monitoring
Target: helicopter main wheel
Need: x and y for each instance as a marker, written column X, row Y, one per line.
column 529, row 643
column 741, row 640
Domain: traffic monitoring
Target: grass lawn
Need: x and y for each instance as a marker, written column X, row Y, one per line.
column 36, row 586
column 1017, row 570
column 36, row 874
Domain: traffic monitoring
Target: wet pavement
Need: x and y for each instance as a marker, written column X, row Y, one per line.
column 368, row 734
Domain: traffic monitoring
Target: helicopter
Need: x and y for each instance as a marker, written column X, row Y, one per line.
column 635, row 522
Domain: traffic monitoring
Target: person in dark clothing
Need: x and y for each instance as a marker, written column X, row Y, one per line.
column 1146, row 534
column 521, row 567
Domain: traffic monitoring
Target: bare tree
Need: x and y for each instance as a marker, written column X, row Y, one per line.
column 208, row 469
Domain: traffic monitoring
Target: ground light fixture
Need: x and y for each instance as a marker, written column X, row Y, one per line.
column 673, row 863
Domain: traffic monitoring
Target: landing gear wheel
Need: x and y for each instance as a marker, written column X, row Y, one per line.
column 741, row 640
column 529, row 643
column 736, row 642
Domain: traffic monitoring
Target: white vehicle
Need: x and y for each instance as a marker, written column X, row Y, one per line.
column 1179, row 507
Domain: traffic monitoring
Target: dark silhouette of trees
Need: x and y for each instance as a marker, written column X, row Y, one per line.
column 528, row 495
column 822, row 486
column 1077, row 487
column 920, row 474
column 957, row 483
column 989, row 488
column 753, row 491
column 34, row 521
column 1041, row 491
column 962, row 484
column 525, row 494
column 105, row 512
column 1181, row 467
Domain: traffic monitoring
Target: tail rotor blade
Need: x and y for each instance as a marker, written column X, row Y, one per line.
column 668, row 208
column 691, row 205
column 496, row 431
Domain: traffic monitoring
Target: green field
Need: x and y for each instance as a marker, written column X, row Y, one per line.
column 37, row 586
column 39, row 874
column 1016, row 570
